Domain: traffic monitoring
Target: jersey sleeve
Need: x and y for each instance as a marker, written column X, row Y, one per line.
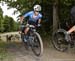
column 40, row 16
column 27, row 14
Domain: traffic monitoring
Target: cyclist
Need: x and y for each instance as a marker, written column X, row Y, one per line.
column 73, row 21
column 72, row 29
column 34, row 17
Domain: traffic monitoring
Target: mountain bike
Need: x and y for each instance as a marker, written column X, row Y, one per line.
column 61, row 40
column 33, row 40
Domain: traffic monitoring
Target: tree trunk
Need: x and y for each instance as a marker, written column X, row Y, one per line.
column 55, row 16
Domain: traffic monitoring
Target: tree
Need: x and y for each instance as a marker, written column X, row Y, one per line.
column 22, row 5
column 9, row 24
column 55, row 15
column 1, row 21
column 60, row 9
column 64, row 12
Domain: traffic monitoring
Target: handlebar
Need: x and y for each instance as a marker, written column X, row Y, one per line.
column 31, row 26
column 28, row 25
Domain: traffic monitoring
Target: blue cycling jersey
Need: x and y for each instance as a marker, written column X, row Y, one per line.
column 30, row 15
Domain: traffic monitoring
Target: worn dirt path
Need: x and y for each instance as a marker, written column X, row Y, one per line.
column 17, row 52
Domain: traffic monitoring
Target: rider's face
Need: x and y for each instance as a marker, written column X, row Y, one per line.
column 36, row 13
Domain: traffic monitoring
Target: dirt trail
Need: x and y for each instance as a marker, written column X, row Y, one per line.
column 17, row 52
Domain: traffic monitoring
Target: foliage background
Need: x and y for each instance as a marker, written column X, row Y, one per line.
column 7, row 24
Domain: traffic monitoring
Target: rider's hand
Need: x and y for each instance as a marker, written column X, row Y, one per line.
column 39, row 25
column 21, row 19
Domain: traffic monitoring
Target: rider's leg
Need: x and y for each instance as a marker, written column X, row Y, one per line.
column 20, row 31
column 26, row 30
column 67, row 37
column 71, row 30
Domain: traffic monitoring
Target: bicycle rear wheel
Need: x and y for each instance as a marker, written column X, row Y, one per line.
column 59, row 42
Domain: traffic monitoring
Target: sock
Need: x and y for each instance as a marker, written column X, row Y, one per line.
column 68, row 32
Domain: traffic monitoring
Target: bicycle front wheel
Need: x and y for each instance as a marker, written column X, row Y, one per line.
column 37, row 46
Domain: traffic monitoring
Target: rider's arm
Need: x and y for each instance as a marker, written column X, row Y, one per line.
column 25, row 15
column 39, row 21
column 28, row 14
column 21, row 19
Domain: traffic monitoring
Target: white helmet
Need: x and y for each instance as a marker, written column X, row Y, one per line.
column 37, row 8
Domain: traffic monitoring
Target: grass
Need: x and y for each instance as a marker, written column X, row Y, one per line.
column 3, row 51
